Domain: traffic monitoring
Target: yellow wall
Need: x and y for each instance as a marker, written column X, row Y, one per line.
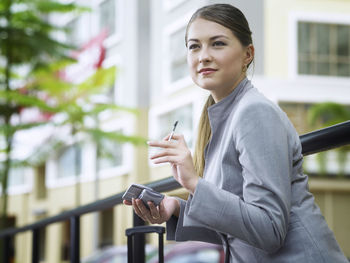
column 277, row 38
column 333, row 198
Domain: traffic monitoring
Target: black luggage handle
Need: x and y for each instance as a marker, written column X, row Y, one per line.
column 130, row 232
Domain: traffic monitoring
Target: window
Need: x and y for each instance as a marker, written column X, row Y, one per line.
column 178, row 64
column 17, row 176
column 185, row 126
column 176, row 74
column 107, row 16
column 110, row 154
column 19, row 180
column 78, row 34
column 73, row 27
column 323, row 49
column 69, row 162
column 114, row 93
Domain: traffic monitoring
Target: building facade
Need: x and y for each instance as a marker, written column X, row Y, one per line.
column 302, row 58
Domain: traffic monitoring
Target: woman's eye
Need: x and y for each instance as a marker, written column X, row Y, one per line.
column 219, row 43
column 193, row 46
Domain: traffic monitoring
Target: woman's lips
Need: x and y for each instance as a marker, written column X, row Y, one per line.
column 207, row 71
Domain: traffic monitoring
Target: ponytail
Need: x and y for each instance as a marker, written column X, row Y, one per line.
column 204, row 134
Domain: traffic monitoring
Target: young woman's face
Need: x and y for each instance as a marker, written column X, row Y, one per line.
column 216, row 57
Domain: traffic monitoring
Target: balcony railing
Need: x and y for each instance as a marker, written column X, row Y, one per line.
column 317, row 141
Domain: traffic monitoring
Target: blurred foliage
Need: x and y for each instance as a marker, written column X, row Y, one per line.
column 326, row 114
column 31, row 59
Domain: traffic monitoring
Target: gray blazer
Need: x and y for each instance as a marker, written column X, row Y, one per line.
column 253, row 189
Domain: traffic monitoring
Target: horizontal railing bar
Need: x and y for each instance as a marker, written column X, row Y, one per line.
column 320, row 140
column 162, row 185
column 92, row 207
column 326, row 139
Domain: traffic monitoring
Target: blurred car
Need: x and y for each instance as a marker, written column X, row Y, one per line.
column 115, row 254
column 191, row 252
column 184, row 252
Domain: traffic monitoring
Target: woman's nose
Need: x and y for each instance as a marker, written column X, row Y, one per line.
column 204, row 56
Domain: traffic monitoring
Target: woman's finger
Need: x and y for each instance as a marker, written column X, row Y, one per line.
column 161, row 144
column 167, row 152
column 137, row 209
column 143, row 210
column 126, row 202
column 154, row 211
column 161, row 207
column 166, row 159
column 175, row 137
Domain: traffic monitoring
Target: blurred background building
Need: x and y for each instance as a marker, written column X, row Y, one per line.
column 302, row 58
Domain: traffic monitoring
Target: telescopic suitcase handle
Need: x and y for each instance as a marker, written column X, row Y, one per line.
column 130, row 232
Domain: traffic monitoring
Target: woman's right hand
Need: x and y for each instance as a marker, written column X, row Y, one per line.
column 156, row 215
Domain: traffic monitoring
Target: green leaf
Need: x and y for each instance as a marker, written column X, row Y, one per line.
column 40, row 155
column 27, row 100
column 103, row 107
column 116, row 136
column 14, row 128
column 328, row 113
column 102, row 79
column 45, row 6
column 13, row 75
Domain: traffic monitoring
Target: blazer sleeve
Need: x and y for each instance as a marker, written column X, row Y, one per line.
column 176, row 231
column 261, row 216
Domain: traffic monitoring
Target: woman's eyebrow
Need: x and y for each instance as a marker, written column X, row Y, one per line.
column 218, row 36
column 211, row 38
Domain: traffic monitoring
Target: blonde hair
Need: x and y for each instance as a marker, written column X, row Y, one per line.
column 233, row 19
column 204, row 133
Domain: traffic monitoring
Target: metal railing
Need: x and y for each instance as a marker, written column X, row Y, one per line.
column 317, row 141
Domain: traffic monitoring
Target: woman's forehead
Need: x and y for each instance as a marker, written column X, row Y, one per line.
column 201, row 29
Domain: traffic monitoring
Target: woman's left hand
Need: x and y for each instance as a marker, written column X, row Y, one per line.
column 179, row 156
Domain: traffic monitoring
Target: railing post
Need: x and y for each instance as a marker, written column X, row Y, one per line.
column 160, row 248
column 139, row 242
column 130, row 249
column 6, row 244
column 35, row 245
column 75, row 239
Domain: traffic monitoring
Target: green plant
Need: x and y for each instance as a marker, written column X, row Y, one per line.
column 327, row 114
column 30, row 59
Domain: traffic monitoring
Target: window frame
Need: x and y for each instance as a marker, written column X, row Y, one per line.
column 115, row 38
column 294, row 19
column 89, row 160
column 25, row 187
column 116, row 60
column 53, row 181
column 169, row 86
column 126, row 148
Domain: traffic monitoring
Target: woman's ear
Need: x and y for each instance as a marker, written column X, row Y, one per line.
column 249, row 54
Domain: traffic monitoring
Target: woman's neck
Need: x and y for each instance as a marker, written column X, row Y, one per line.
column 220, row 93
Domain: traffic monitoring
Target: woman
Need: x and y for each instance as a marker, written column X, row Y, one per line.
column 247, row 189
